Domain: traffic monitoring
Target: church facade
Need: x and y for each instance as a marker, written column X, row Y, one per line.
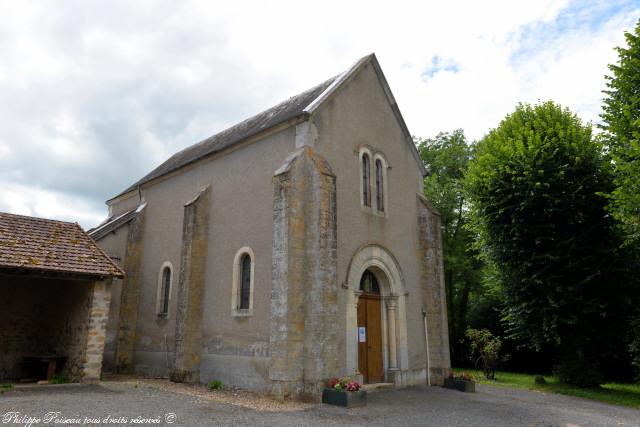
column 291, row 248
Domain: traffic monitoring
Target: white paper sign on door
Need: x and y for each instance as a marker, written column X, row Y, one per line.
column 362, row 334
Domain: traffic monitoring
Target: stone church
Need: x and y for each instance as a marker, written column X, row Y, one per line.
column 293, row 247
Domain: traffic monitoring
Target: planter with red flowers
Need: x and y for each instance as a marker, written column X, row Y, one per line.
column 344, row 392
column 462, row 382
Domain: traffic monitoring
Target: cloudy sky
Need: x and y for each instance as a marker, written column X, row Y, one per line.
column 94, row 94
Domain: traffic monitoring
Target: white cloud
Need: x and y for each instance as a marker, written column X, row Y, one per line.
column 96, row 94
column 27, row 200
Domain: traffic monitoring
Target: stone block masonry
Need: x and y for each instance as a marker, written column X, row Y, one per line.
column 193, row 263
column 433, row 290
column 96, row 331
column 130, row 296
column 304, row 326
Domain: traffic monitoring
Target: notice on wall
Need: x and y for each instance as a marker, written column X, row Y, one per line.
column 362, row 334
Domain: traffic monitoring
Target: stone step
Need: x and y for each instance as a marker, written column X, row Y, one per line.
column 372, row 388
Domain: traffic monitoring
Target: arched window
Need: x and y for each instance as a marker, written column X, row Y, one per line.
column 366, row 171
column 245, row 286
column 242, row 286
column 369, row 283
column 164, row 290
column 379, row 186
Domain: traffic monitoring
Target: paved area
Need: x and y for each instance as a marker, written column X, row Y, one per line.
column 128, row 403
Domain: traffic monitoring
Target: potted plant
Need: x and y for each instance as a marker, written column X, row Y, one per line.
column 462, row 382
column 344, row 392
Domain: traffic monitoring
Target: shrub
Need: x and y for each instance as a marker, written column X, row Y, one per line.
column 215, row 385
column 575, row 369
column 484, row 350
column 539, row 380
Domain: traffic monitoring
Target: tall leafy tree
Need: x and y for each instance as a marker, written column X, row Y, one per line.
column 446, row 157
column 538, row 184
column 621, row 125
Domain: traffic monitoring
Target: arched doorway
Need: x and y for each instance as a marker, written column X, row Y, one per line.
column 370, row 363
column 374, row 277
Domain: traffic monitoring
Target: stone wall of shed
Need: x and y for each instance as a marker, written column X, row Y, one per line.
column 43, row 316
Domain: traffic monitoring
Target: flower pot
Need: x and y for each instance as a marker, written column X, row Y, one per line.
column 346, row 399
column 461, row 385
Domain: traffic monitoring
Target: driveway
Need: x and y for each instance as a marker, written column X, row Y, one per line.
column 162, row 403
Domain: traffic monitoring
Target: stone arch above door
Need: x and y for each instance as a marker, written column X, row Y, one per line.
column 392, row 288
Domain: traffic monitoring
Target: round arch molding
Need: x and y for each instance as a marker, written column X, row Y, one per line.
column 385, row 267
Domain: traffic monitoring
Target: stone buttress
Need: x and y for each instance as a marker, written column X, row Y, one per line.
column 433, row 289
column 304, row 324
column 129, row 299
column 193, row 263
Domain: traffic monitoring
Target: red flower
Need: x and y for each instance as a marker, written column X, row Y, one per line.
column 353, row 386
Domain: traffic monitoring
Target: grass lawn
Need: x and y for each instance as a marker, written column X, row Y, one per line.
column 617, row 394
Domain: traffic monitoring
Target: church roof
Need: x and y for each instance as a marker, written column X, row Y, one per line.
column 113, row 223
column 303, row 104
column 45, row 245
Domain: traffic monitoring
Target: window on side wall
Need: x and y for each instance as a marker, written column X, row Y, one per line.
column 242, row 286
column 165, row 279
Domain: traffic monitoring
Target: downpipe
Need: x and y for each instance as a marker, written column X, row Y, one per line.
column 426, row 341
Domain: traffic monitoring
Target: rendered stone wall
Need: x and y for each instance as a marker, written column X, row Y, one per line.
column 193, row 262
column 433, row 289
column 304, row 324
column 130, row 296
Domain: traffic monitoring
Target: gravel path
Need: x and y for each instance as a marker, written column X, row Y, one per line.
column 148, row 402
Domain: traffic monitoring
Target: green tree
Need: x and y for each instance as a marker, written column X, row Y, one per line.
column 538, row 184
column 621, row 125
column 446, row 158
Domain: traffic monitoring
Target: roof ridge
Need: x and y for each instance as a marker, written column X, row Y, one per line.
column 40, row 219
column 303, row 104
column 248, row 119
column 282, row 112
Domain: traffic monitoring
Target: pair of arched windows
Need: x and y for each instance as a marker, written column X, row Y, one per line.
column 379, row 182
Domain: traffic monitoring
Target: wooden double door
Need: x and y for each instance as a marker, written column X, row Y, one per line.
column 370, row 338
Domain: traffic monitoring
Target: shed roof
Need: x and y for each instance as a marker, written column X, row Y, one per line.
column 37, row 244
